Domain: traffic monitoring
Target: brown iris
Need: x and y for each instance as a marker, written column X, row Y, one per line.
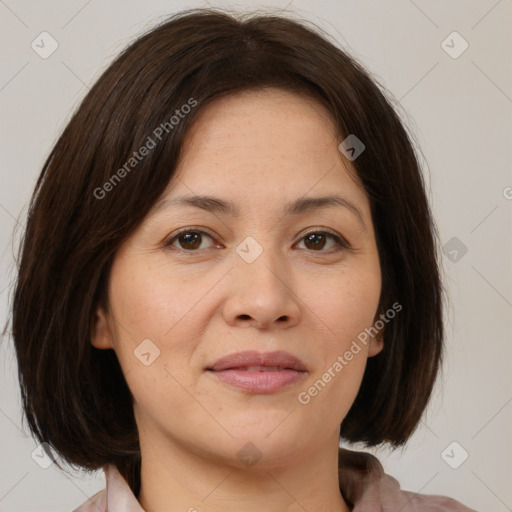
column 316, row 239
column 192, row 240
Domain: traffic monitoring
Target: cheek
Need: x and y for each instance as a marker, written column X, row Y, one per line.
column 141, row 302
column 343, row 305
column 155, row 312
column 343, row 309
column 149, row 302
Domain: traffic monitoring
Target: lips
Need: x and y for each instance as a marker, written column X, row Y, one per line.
column 259, row 373
column 251, row 360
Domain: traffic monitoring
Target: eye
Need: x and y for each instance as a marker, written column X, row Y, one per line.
column 188, row 239
column 316, row 241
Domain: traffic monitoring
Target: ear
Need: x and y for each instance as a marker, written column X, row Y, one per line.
column 376, row 344
column 102, row 336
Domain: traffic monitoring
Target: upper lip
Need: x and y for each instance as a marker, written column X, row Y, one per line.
column 247, row 358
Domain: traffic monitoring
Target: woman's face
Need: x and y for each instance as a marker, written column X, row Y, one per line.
column 259, row 278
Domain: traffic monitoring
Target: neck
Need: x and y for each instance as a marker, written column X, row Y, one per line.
column 174, row 478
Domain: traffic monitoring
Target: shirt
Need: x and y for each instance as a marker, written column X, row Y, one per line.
column 363, row 483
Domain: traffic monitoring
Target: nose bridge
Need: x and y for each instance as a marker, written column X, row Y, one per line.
column 261, row 286
column 261, row 257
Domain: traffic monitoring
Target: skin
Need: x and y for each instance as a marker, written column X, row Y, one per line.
column 261, row 150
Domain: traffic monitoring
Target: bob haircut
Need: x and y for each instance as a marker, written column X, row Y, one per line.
column 74, row 396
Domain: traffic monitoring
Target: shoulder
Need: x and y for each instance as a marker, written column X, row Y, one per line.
column 366, row 486
column 96, row 503
column 117, row 495
column 434, row 503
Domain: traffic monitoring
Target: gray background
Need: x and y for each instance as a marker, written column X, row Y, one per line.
column 459, row 109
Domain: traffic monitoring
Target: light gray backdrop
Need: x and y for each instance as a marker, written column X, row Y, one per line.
column 458, row 102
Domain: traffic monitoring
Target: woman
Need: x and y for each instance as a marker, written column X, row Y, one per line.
column 229, row 262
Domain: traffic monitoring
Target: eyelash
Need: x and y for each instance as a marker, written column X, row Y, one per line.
column 341, row 242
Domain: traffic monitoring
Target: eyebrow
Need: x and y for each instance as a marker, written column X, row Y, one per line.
column 297, row 207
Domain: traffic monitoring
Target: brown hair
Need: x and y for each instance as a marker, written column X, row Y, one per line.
column 74, row 396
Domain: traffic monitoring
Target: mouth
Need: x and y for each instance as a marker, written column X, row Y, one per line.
column 258, row 373
column 258, row 368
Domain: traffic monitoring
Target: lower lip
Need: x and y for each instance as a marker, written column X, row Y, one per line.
column 259, row 382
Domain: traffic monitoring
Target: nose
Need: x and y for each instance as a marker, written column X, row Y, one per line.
column 261, row 294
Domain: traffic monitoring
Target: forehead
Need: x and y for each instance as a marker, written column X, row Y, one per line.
column 277, row 122
column 266, row 143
